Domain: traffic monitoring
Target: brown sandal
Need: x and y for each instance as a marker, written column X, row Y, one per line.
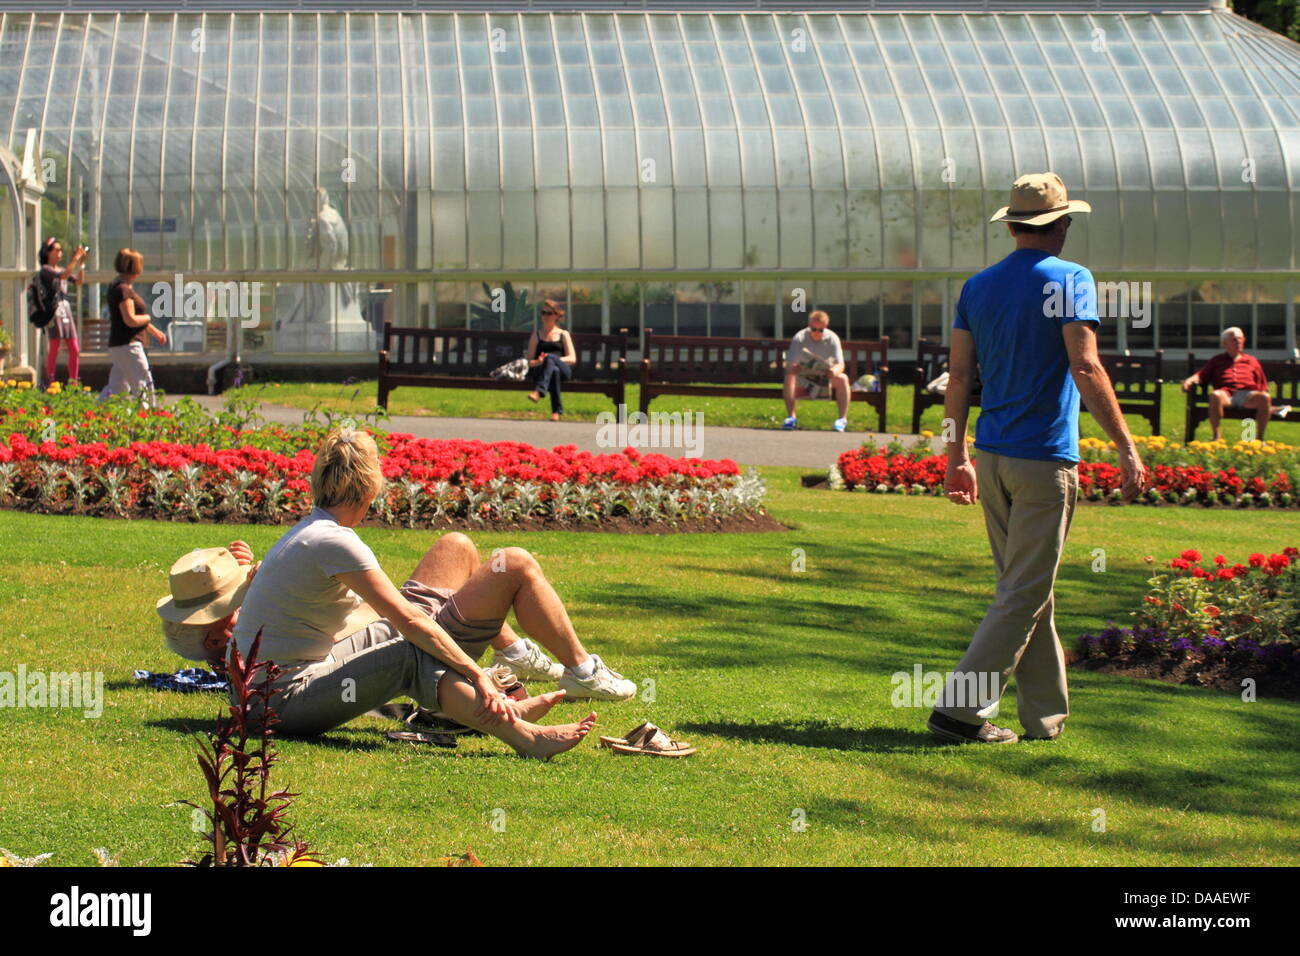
column 633, row 736
column 654, row 742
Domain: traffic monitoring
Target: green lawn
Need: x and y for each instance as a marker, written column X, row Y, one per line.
column 782, row 679
column 749, row 413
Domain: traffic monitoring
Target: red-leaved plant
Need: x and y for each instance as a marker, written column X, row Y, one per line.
column 247, row 817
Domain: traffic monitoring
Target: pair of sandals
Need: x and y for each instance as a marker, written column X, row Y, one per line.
column 649, row 740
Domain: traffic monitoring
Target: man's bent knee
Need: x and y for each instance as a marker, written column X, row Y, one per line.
column 460, row 543
column 518, row 561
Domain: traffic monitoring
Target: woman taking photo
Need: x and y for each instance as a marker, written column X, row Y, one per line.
column 129, row 322
column 347, row 640
column 551, row 353
column 62, row 328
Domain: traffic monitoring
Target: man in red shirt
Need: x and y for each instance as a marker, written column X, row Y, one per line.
column 1237, row 381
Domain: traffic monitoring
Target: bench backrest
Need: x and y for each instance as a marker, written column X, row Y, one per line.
column 473, row 353
column 727, row 361
column 1134, row 377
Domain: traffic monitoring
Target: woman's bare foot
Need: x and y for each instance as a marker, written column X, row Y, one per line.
column 555, row 416
column 549, row 741
column 534, row 397
column 533, row 709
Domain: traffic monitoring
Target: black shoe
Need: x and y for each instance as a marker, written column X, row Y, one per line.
column 960, row 732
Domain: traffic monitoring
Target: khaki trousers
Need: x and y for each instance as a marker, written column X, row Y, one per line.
column 1028, row 507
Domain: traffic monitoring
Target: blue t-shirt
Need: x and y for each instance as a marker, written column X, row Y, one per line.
column 1015, row 311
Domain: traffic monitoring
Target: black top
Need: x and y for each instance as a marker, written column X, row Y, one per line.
column 55, row 280
column 119, row 332
column 543, row 346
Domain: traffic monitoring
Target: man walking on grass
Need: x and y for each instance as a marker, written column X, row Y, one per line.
column 1030, row 323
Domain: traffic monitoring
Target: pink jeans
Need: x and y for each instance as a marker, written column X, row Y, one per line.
column 74, row 358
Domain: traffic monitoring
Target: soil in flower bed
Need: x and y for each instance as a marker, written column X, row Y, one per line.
column 821, row 482
column 1195, row 671
column 618, row 524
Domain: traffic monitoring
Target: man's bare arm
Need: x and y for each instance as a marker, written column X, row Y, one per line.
column 1098, row 394
column 959, row 482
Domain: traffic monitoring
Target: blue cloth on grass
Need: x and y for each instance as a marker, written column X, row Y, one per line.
column 187, row 680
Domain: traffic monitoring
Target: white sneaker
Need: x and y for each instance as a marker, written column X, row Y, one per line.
column 840, row 424
column 1282, row 412
column 603, row 684
column 790, row 423
column 533, row 665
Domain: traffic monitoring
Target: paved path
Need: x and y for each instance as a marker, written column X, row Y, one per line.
column 746, row 446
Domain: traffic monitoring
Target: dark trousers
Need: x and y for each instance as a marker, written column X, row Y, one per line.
column 550, row 374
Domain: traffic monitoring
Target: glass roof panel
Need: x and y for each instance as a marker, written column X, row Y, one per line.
column 813, row 106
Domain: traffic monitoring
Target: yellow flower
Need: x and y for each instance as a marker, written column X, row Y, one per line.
column 926, row 433
column 24, row 384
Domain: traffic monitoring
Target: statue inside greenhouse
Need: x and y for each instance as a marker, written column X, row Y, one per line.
column 322, row 316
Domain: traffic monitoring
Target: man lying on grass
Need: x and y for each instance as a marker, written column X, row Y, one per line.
column 347, row 640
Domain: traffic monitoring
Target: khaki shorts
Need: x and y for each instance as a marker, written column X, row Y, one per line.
column 440, row 604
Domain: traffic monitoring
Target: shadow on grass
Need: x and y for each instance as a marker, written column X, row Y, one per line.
column 338, row 739
column 821, row 734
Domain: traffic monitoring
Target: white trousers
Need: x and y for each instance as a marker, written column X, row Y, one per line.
column 130, row 372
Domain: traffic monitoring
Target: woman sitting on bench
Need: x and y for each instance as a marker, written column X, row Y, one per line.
column 551, row 353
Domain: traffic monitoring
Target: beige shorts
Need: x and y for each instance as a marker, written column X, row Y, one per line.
column 440, row 604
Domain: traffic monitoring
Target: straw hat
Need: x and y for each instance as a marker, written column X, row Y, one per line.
column 206, row 585
column 1037, row 199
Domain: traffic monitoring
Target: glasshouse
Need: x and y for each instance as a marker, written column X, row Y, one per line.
column 700, row 168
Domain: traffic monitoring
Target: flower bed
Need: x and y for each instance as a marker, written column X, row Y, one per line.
column 65, row 455
column 1212, row 623
column 1246, row 475
column 889, row 468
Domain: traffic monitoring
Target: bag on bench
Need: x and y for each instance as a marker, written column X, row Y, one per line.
column 514, row 371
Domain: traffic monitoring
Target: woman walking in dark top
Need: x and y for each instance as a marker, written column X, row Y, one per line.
column 129, row 323
column 62, row 328
column 551, row 353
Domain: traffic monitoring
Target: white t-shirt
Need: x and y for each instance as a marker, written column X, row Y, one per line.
column 294, row 597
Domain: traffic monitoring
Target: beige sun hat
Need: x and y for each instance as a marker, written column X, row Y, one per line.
column 1037, row 199
column 206, row 585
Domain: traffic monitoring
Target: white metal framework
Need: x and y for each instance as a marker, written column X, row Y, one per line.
column 697, row 169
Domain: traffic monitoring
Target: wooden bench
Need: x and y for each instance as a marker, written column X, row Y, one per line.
column 1138, row 381
column 713, row 365
column 1283, row 387
column 462, row 358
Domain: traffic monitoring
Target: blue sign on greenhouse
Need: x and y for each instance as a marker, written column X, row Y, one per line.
column 154, row 225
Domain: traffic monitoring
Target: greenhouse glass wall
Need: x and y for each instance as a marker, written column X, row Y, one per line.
column 697, row 168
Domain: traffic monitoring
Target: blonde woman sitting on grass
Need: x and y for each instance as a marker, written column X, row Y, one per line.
column 347, row 640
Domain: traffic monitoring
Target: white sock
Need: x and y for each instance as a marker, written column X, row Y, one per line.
column 585, row 669
column 515, row 651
